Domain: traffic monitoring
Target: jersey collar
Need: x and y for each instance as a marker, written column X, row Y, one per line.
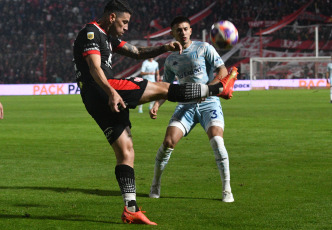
column 99, row 28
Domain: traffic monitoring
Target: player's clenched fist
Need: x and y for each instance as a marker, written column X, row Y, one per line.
column 174, row 46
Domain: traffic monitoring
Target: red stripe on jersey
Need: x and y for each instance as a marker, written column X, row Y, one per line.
column 96, row 24
column 120, row 45
column 122, row 84
column 90, row 52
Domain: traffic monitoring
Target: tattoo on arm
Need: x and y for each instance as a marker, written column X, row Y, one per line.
column 140, row 52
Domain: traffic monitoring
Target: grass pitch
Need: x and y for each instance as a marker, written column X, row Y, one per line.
column 57, row 169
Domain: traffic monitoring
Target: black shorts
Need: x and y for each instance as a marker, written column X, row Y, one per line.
column 96, row 103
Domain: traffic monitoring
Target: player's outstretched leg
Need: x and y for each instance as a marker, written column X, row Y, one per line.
column 135, row 217
column 192, row 91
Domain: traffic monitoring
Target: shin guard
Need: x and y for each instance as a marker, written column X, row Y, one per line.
column 184, row 92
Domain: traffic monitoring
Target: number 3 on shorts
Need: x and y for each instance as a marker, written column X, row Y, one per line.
column 214, row 114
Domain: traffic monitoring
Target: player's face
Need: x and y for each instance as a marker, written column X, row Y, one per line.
column 182, row 32
column 120, row 24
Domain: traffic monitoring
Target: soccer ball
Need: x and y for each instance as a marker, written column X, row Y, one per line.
column 224, row 35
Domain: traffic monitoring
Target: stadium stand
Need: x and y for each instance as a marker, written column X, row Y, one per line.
column 32, row 27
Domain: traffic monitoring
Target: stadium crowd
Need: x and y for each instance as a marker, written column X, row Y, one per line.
column 37, row 35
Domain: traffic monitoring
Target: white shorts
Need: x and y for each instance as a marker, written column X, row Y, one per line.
column 208, row 113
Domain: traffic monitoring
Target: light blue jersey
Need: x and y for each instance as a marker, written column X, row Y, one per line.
column 196, row 64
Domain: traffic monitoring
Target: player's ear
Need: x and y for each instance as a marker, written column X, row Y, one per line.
column 112, row 17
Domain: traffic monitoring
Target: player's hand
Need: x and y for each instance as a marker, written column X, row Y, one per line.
column 153, row 112
column 174, row 46
column 115, row 102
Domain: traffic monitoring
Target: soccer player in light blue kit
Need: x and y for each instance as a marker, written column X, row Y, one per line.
column 329, row 78
column 196, row 65
column 150, row 72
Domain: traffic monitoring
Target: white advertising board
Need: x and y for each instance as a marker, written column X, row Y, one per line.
column 71, row 88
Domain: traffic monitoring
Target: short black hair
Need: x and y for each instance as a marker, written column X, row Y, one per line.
column 119, row 6
column 179, row 19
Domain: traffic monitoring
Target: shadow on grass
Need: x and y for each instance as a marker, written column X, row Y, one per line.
column 65, row 218
column 98, row 192
column 189, row 198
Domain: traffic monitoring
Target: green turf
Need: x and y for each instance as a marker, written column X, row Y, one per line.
column 57, row 170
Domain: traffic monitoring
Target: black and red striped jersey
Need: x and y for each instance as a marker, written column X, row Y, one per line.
column 92, row 39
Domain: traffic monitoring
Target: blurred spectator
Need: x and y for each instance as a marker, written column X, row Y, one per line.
column 37, row 35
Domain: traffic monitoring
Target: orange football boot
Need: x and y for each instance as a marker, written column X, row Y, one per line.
column 135, row 217
column 228, row 84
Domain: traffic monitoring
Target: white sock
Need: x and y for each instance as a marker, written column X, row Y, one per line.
column 204, row 90
column 127, row 197
column 162, row 159
column 140, row 108
column 221, row 156
column 209, row 90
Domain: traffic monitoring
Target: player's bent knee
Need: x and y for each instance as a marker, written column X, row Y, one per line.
column 169, row 143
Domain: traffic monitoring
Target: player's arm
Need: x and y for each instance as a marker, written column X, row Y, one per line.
column 168, row 77
column 148, row 52
column 157, row 104
column 94, row 63
column 212, row 57
column 221, row 72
